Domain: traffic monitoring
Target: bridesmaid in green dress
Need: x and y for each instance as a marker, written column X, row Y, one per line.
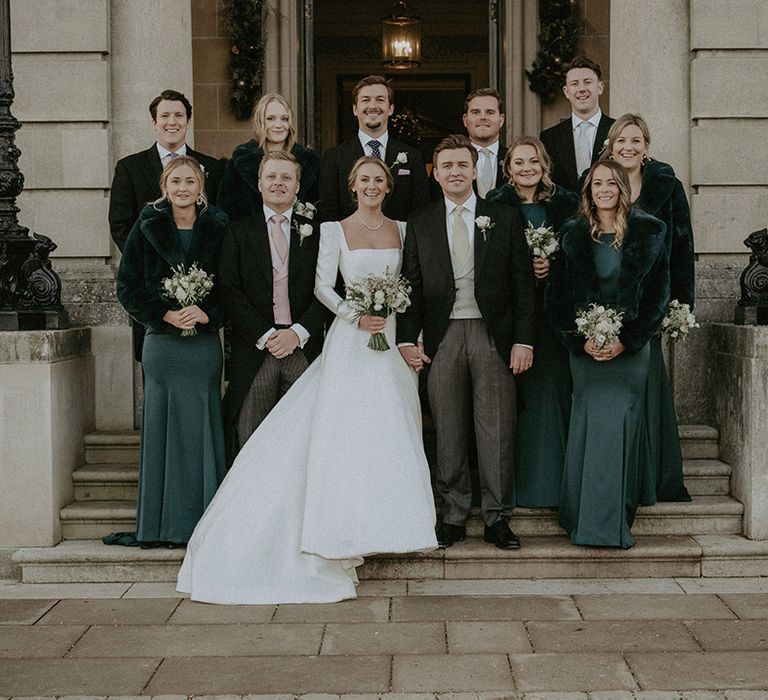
column 614, row 255
column 656, row 190
column 182, row 442
column 544, row 391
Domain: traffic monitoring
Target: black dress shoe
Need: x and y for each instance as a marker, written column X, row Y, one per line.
column 448, row 534
column 500, row 535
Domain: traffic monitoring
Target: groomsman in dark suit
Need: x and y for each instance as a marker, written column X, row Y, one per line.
column 372, row 104
column 471, row 319
column 483, row 119
column 574, row 144
column 267, row 282
column 137, row 177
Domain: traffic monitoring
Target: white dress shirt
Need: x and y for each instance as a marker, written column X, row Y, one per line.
column 165, row 154
column 594, row 120
column 365, row 138
column 297, row 328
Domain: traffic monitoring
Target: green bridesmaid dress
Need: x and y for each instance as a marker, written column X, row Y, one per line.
column 182, row 458
column 544, row 405
column 603, row 480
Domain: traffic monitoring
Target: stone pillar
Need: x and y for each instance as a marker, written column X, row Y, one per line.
column 46, row 406
column 741, row 368
column 282, row 58
column 520, row 31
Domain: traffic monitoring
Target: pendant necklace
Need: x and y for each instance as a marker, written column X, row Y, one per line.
column 371, row 228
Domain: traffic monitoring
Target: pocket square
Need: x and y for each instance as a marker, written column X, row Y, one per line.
column 403, row 172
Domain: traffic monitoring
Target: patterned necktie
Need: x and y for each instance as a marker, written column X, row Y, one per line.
column 583, row 148
column 375, row 147
column 170, row 156
column 278, row 237
column 460, row 235
column 485, row 180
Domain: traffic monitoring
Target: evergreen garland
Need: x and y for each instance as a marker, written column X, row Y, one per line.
column 559, row 29
column 246, row 57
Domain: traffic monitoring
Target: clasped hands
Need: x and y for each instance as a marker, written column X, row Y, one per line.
column 282, row 343
column 185, row 319
column 609, row 352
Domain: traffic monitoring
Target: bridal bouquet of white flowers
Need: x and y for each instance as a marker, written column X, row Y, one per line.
column 542, row 241
column 599, row 324
column 678, row 321
column 188, row 287
column 379, row 295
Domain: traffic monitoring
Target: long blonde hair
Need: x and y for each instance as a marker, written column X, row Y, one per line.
column 618, row 126
column 546, row 188
column 588, row 209
column 260, row 121
column 174, row 164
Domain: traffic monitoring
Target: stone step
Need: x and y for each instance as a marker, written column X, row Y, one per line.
column 122, row 447
column 653, row 556
column 118, row 482
column 713, row 515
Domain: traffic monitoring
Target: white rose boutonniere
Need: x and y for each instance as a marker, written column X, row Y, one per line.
column 305, row 230
column 305, row 209
column 485, row 224
column 402, row 159
column 203, row 170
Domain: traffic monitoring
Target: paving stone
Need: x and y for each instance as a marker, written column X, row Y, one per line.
column 700, row 671
column 200, row 640
column 384, row 638
column 358, row 610
column 33, row 642
column 490, row 695
column 407, row 696
column 612, row 695
column 110, row 612
column 191, row 613
column 656, row 695
column 549, row 587
column 744, row 694
column 266, row 697
column 487, row 637
column 23, row 612
column 556, row 696
column 652, row 607
column 154, row 589
column 571, row 672
column 276, row 674
column 114, row 676
column 753, row 584
column 731, row 635
column 313, row 696
column 369, row 696
column 62, row 590
column 613, row 635
column 747, row 605
column 454, row 673
column 380, row 589
column 422, row 608
column 702, row 695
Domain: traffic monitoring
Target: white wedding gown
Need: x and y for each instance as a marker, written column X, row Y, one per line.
column 334, row 473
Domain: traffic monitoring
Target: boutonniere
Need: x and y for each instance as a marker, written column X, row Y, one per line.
column 402, row 159
column 605, row 143
column 304, row 231
column 203, row 170
column 305, row 209
column 485, row 224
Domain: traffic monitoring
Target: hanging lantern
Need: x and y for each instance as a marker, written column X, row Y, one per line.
column 401, row 38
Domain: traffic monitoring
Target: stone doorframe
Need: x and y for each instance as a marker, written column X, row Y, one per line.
column 513, row 28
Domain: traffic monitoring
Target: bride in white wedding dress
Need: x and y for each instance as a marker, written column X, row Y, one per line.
column 337, row 470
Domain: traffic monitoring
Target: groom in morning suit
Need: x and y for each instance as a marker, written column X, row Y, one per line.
column 574, row 144
column 137, row 177
column 473, row 300
column 267, row 282
column 372, row 104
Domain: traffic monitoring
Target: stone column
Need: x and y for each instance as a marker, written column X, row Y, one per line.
column 520, row 31
column 741, row 368
column 46, row 397
column 282, row 58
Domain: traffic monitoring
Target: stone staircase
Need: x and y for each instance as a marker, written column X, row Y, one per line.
column 701, row 538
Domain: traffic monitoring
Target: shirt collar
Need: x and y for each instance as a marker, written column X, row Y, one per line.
column 493, row 148
column 470, row 204
column 365, row 138
column 182, row 151
column 269, row 213
column 594, row 119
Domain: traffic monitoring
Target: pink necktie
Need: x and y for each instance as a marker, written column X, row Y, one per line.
column 279, row 251
column 278, row 237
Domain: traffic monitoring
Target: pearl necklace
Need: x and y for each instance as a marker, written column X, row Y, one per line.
column 371, row 228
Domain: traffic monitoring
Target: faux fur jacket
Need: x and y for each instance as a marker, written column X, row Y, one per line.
column 152, row 249
column 643, row 288
column 560, row 206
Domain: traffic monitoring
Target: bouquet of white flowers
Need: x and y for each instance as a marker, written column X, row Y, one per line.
column 542, row 241
column 678, row 321
column 379, row 295
column 188, row 287
column 599, row 324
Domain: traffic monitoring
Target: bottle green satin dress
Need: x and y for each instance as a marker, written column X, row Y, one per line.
column 604, row 479
column 182, row 458
column 544, row 405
